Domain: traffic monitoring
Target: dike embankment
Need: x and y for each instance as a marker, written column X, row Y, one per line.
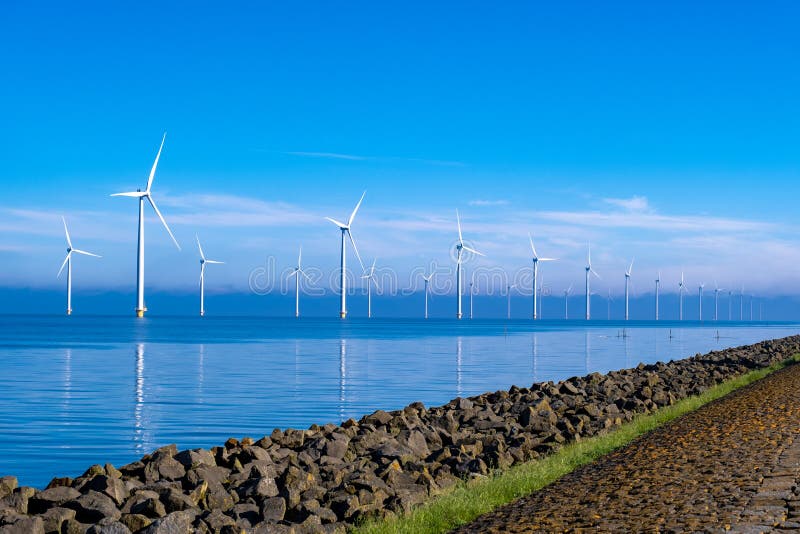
column 328, row 477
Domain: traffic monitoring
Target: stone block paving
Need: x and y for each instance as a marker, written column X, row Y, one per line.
column 733, row 465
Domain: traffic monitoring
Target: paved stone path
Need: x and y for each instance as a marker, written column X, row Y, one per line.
column 732, row 465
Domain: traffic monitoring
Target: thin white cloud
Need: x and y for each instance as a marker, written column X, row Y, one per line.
column 483, row 202
column 330, row 155
column 653, row 221
column 635, row 203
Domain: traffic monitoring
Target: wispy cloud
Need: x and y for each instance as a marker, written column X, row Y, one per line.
column 330, row 155
column 355, row 157
column 481, row 202
column 635, row 203
column 654, row 221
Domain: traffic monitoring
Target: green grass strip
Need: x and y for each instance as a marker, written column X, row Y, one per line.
column 468, row 500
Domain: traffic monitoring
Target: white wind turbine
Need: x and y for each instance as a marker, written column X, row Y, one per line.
column 142, row 195
column 203, row 262
column 700, row 291
column 566, row 302
column 460, row 248
column 536, row 260
column 681, row 289
column 428, row 279
column 345, row 228
column 297, row 271
column 508, row 305
column 717, row 289
column 589, row 271
column 471, row 293
column 370, row 277
column 68, row 264
column 658, row 283
column 627, row 283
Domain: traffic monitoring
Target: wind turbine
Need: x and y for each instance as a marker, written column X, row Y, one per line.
column 700, row 291
column 589, row 271
column 716, row 301
column 428, row 279
column 296, row 272
column 658, row 282
column 508, row 305
column 609, row 300
column 203, row 262
column 741, row 305
column 345, row 228
column 471, row 293
column 370, row 277
column 68, row 264
column 460, row 248
column 681, row 289
column 730, row 305
column 627, row 282
column 566, row 301
column 142, row 195
column 536, row 260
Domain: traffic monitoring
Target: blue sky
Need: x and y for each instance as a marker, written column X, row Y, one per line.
column 668, row 132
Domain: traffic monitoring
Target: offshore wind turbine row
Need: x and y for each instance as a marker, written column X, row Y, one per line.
column 369, row 274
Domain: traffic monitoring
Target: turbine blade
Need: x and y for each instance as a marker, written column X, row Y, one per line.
column 63, row 264
column 299, row 258
column 337, row 223
column 355, row 248
column 155, row 164
column 215, row 262
column 69, row 241
column 473, row 251
column 152, row 203
column 200, row 247
column 533, row 249
column 458, row 221
column 548, row 259
column 293, row 273
column 304, row 274
column 353, row 215
column 595, row 273
column 135, row 194
column 78, row 251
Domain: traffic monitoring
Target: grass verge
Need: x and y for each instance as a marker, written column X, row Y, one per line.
column 467, row 501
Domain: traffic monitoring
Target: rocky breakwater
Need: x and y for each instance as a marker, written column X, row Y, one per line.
column 326, row 477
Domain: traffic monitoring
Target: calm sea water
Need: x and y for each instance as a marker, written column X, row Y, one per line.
column 82, row 390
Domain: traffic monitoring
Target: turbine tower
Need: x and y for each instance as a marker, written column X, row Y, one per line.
column 627, row 283
column 142, row 195
column 700, row 291
column 68, row 264
column 658, row 282
column 471, row 293
column 296, row 272
column 589, row 271
column 508, row 305
column 460, row 248
column 681, row 289
column 428, row 279
column 203, row 262
column 716, row 301
column 566, row 302
column 345, row 228
column 370, row 277
column 536, row 260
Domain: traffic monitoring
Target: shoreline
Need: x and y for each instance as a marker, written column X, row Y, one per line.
column 328, row 477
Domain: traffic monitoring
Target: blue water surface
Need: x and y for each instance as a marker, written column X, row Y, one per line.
column 81, row 390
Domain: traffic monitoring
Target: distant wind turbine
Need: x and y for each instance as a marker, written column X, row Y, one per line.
column 370, row 277
column 566, row 302
column 716, row 301
column 627, row 283
column 730, row 305
column 700, row 291
column 296, row 272
column 460, row 248
column 536, row 260
column 658, row 283
column 471, row 293
column 609, row 300
column 142, row 195
column 681, row 289
column 508, row 305
column 589, row 271
column 203, row 262
column 741, row 304
column 346, row 233
column 68, row 264
column 428, row 279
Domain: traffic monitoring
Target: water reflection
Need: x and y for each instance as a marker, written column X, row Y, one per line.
column 138, row 422
column 459, row 388
column 535, row 359
column 201, row 369
column 342, row 377
column 67, row 382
